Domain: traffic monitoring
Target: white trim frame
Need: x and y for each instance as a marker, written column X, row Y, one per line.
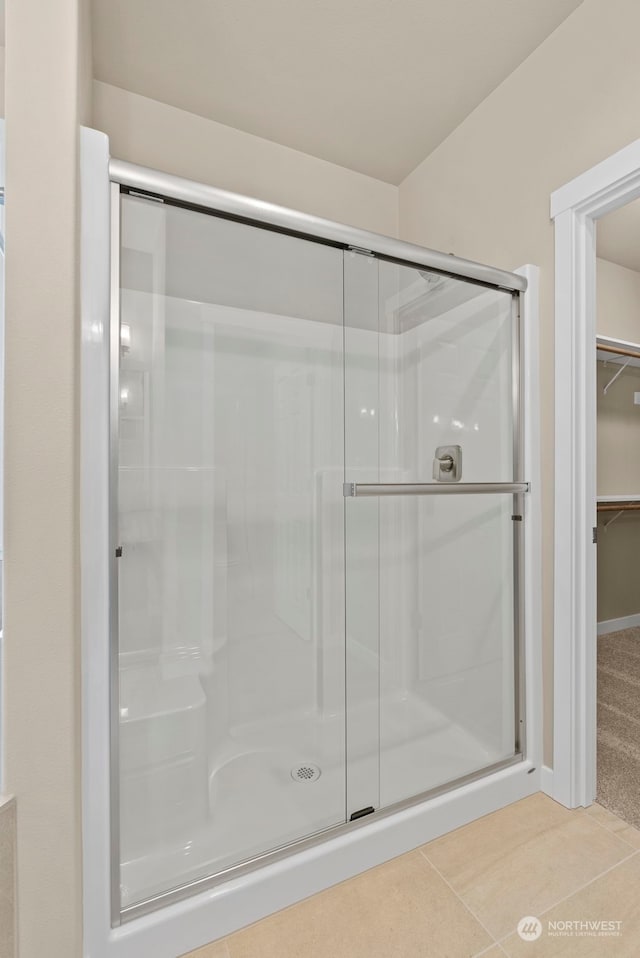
column 95, row 241
column 575, row 207
column 220, row 910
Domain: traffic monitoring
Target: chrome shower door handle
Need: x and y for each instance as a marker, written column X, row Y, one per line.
column 447, row 464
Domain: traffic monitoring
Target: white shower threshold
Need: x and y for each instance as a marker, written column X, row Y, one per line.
column 224, row 908
column 255, row 804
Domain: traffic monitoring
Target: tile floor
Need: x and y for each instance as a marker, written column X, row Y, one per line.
column 464, row 894
column 7, row 877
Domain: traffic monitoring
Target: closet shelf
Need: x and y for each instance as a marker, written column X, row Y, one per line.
column 620, row 352
column 617, row 505
column 617, row 350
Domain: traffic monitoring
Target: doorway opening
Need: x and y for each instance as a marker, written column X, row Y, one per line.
column 597, row 347
column 618, row 510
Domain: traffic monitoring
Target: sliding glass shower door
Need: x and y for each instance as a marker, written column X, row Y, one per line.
column 231, row 581
column 431, row 440
column 317, row 545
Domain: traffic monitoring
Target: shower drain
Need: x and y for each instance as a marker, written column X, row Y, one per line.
column 305, row 773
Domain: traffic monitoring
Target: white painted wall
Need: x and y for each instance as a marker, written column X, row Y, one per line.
column 162, row 137
column 484, row 192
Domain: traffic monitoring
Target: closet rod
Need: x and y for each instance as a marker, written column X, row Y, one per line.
column 618, row 350
column 618, row 506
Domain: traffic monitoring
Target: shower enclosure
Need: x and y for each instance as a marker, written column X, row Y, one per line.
column 316, row 524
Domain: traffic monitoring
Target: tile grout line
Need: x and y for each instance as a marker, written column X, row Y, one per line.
column 296, row 904
column 494, row 941
column 576, row 891
column 493, row 938
column 489, row 949
column 221, row 943
column 610, row 830
column 580, row 888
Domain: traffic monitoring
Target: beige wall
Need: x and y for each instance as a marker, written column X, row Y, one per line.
column 617, row 301
column 618, row 315
column 484, row 193
column 618, row 592
column 41, row 701
column 153, row 134
column 618, row 467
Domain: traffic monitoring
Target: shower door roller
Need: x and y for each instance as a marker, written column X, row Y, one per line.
column 447, row 464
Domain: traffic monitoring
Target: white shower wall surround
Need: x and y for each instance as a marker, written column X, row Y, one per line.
column 287, row 657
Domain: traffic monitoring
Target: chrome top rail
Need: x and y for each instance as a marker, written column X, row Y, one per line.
column 233, row 204
column 360, row 489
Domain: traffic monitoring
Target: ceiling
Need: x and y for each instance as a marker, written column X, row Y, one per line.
column 373, row 85
column 618, row 236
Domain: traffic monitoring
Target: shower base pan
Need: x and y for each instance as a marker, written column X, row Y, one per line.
column 304, row 869
column 261, row 797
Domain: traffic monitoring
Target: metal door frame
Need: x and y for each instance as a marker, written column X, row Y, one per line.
column 137, row 180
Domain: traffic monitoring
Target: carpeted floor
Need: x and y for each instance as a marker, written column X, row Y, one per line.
column 619, row 724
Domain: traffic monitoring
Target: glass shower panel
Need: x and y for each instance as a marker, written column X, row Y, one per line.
column 429, row 363
column 230, row 512
column 447, row 706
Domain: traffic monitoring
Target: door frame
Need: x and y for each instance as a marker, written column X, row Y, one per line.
column 575, row 208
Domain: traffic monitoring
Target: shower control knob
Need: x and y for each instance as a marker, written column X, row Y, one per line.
column 447, row 464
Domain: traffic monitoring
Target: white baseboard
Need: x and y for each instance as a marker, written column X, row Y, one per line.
column 546, row 780
column 616, row 625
